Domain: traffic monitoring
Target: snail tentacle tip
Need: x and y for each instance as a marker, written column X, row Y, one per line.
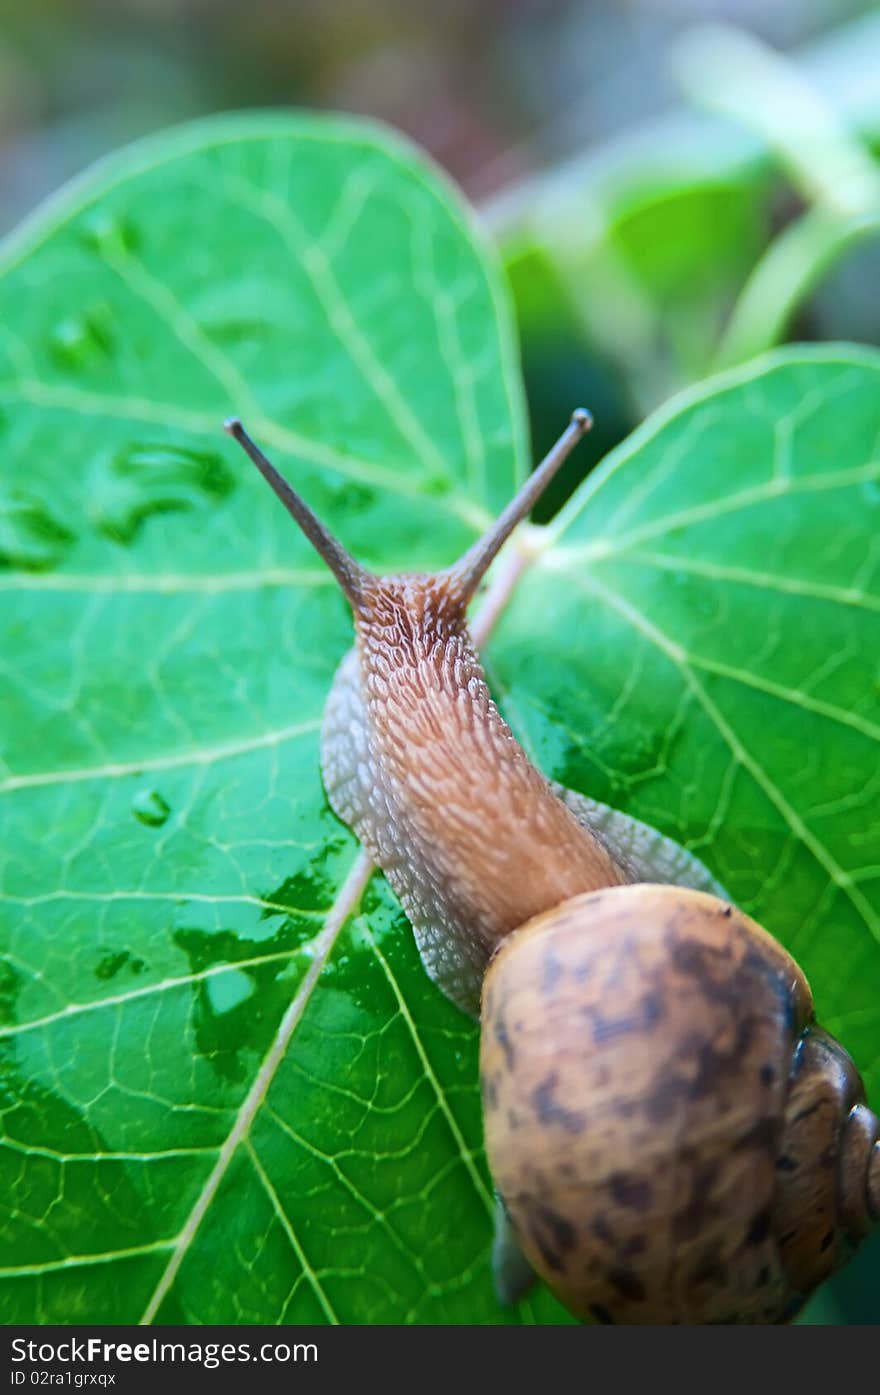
column 233, row 427
column 581, row 418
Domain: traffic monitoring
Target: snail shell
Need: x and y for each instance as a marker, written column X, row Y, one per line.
column 674, row 1138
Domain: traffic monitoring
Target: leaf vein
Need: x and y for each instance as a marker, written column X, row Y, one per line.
column 348, row 899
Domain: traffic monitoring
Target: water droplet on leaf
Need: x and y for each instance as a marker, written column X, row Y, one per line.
column 226, row 990
column 109, row 234
column 77, row 342
column 31, row 538
column 109, row 966
column 150, row 478
column 150, row 808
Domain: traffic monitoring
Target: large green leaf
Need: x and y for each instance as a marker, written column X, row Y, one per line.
column 225, row 1096
column 169, row 864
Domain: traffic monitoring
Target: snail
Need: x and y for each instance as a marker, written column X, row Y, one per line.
column 672, row 1137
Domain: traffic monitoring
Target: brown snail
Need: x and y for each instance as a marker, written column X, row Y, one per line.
column 672, row 1137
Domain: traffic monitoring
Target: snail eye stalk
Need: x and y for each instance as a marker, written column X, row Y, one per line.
column 467, row 573
column 349, row 573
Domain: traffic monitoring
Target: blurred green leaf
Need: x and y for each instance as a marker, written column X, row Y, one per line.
column 225, row 1098
column 680, row 244
column 648, row 271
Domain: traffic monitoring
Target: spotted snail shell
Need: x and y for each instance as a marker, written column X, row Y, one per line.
column 674, row 1138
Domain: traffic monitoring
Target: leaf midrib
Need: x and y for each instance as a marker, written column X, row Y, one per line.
column 347, row 900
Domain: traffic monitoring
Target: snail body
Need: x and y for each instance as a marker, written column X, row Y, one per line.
column 631, row 1017
column 417, row 759
column 419, row 801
